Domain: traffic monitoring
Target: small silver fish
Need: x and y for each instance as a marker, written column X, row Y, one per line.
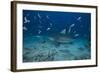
column 26, row 20
column 24, row 28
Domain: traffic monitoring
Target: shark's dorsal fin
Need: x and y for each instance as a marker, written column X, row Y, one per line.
column 63, row 31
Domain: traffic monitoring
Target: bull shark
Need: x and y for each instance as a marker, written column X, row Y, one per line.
column 62, row 38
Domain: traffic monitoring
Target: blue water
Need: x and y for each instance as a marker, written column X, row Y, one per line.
column 56, row 36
